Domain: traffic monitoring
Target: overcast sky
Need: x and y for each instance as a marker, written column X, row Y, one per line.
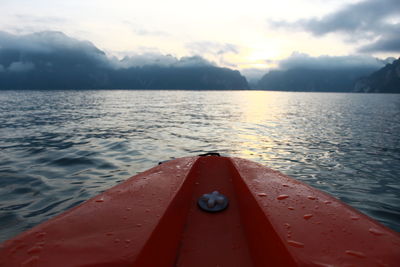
column 236, row 34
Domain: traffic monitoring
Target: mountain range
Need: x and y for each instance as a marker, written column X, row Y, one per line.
column 366, row 79
column 313, row 80
column 53, row 60
column 385, row 80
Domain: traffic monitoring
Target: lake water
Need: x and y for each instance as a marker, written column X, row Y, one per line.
column 59, row 148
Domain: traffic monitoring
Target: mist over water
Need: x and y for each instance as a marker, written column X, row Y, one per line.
column 59, row 148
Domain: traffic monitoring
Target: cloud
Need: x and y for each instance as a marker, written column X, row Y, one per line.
column 47, row 60
column 156, row 59
column 40, row 20
column 367, row 20
column 218, row 52
column 21, row 66
column 145, row 32
column 301, row 60
column 390, row 42
column 142, row 31
column 23, row 23
column 138, row 60
column 212, row 48
column 46, row 42
column 193, row 61
column 58, row 46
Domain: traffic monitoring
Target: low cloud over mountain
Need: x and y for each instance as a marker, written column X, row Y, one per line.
column 385, row 80
column 301, row 60
column 52, row 60
column 301, row 72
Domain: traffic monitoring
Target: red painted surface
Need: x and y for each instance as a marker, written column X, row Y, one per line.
column 313, row 227
column 214, row 239
column 152, row 220
column 116, row 228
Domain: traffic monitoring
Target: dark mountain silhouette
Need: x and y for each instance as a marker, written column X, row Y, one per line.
column 385, row 80
column 313, row 79
column 52, row 60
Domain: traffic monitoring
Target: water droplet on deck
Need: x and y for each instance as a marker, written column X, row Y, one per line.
column 355, row 253
column 307, row 216
column 375, row 231
column 327, row 202
column 321, row 264
column 311, row 197
column 22, row 245
column 35, row 249
column 290, row 208
column 295, row 244
column 138, row 225
column 128, row 209
column 109, row 233
column 31, row 261
column 281, row 197
column 100, row 200
column 382, row 264
column 147, row 210
column 262, row 194
column 127, row 241
column 117, row 240
column 39, row 235
column 354, row 218
column 285, row 185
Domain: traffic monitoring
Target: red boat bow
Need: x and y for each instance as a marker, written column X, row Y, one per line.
column 153, row 219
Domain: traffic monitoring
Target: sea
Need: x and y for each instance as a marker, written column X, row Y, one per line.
column 59, row 148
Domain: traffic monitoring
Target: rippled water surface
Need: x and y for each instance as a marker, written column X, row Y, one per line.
column 58, row 148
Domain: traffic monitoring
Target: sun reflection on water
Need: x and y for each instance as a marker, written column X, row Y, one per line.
column 261, row 116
